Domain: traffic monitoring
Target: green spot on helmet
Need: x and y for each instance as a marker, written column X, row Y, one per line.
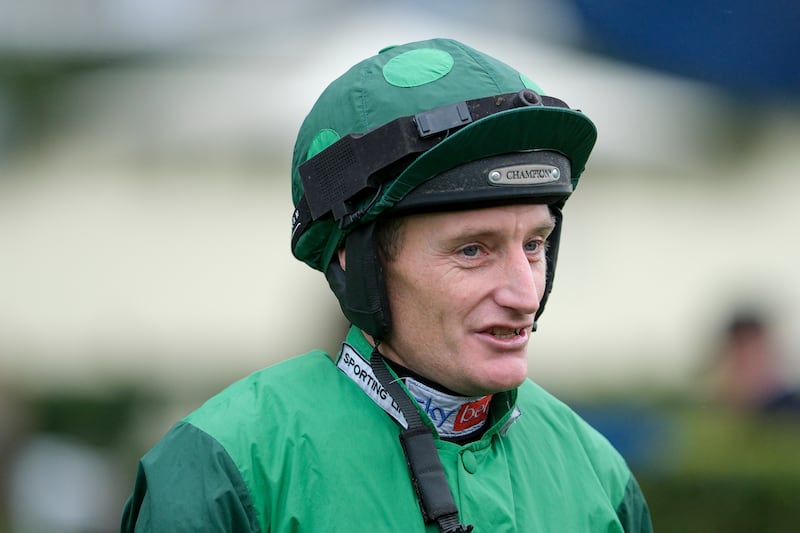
column 378, row 136
column 417, row 67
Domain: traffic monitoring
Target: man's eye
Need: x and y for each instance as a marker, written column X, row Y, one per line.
column 470, row 251
column 533, row 246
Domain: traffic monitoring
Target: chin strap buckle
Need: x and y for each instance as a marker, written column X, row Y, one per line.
column 450, row 524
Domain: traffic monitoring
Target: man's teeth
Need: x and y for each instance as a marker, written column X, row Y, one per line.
column 504, row 333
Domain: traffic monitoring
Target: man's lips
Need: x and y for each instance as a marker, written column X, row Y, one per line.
column 507, row 332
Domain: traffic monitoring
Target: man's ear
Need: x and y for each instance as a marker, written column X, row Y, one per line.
column 342, row 253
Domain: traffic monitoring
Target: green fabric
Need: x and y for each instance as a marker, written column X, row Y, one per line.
column 188, row 482
column 417, row 67
column 322, row 140
column 316, row 454
column 633, row 513
column 530, row 84
column 404, row 80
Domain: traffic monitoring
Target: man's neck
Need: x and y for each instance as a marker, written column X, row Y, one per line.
column 460, row 419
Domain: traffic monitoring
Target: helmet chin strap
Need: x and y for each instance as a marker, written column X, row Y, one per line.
column 424, row 465
column 360, row 289
column 553, row 241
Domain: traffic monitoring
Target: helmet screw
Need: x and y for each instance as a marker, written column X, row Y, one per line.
column 530, row 97
column 495, row 176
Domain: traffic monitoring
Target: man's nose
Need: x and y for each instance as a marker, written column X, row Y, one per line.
column 519, row 283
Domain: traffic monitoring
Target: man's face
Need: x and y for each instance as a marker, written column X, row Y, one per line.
column 463, row 290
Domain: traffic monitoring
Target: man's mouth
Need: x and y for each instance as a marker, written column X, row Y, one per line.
column 505, row 333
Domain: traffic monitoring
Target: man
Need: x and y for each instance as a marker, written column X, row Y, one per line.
column 428, row 183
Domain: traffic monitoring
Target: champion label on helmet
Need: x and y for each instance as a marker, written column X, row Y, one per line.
column 524, row 175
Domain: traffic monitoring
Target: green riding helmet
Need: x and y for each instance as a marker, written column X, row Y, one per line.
column 427, row 126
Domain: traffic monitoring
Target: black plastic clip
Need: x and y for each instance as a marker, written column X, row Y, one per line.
column 442, row 119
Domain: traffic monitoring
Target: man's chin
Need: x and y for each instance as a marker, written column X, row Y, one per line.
column 493, row 381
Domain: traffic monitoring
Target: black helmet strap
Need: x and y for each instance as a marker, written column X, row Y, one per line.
column 337, row 178
column 360, row 288
column 424, row 466
column 552, row 257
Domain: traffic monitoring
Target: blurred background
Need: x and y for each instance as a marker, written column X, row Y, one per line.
column 145, row 150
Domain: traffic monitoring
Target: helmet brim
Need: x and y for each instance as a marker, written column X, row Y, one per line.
column 564, row 131
column 531, row 176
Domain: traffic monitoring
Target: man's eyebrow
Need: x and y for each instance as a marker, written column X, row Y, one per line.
column 477, row 232
column 547, row 227
column 471, row 234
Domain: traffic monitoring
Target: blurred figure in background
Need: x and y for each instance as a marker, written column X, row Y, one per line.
column 60, row 484
column 746, row 373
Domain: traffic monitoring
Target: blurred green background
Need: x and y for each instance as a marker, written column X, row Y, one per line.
column 145, row 213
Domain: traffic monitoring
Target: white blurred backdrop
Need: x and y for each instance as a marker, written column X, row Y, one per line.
column 144, row 225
